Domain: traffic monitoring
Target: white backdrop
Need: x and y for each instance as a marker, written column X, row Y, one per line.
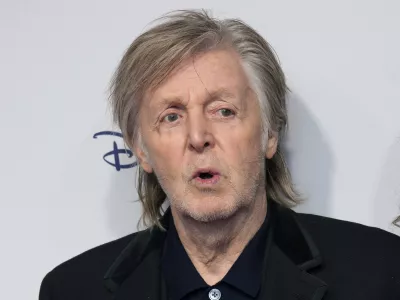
column 59, row 197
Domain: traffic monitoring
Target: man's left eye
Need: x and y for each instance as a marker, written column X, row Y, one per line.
column 226, row 112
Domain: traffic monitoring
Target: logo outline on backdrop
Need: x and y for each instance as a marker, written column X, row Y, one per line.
column 116, row 152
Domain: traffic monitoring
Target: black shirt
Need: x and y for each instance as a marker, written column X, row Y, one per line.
column 242, row 282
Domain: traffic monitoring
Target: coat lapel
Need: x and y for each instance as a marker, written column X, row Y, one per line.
column 285, row 281
column 145, row 283
column 291, row 253
column 136, row 273
column 290, row 256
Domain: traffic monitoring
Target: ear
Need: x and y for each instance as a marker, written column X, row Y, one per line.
column 272, row 146
column 143, row 159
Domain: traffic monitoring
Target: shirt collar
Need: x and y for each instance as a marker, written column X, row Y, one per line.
column 178, row 270
column 291, row 252
column 246, row 273
column 182, row 277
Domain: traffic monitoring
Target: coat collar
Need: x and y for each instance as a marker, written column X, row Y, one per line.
column 291, row 257
column 291, row 254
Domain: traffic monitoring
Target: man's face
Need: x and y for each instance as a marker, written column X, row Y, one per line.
column 203, row 137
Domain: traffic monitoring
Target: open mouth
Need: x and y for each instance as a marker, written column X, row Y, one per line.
column 206, row 176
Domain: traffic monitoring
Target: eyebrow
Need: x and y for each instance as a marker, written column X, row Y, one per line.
column 163, row 102
column 222, row 93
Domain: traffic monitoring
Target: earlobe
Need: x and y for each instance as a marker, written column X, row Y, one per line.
column 146, row 166
column 143, row 159
column 272, row 146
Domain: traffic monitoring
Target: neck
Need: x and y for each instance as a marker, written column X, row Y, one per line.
column 213, row 247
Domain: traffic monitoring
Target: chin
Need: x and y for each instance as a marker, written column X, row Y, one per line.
column 212, row 214
column 208, row 209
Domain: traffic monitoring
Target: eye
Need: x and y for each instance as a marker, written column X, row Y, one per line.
column 170, row 118
column 226, row 112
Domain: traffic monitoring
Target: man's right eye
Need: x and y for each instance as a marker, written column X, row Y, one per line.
column 170, row 118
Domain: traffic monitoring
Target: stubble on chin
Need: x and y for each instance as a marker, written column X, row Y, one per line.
column 242, row 195
column 236, row 198
column 210, row 215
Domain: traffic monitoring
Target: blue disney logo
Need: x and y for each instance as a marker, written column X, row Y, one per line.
column 116, row 152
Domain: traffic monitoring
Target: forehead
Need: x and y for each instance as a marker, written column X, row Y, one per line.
column 214, row 71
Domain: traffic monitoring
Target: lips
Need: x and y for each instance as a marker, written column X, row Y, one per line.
column 206, row 178
column 205, row 173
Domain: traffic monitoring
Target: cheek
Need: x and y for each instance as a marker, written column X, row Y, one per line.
column 167, row 159
column 247, row 140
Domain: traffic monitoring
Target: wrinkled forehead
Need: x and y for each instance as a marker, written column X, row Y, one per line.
column 215, row 73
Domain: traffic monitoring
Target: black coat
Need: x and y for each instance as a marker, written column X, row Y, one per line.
column 310, row 258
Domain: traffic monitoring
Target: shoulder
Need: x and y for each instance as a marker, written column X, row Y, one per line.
column 354, row 248
column 350, row 234
column 98, row 258
column 87, row 268
column 355, row 257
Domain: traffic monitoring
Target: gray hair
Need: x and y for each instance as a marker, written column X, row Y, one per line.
column 157, row 52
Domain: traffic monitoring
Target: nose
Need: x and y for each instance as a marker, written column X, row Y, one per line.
column 200, row 137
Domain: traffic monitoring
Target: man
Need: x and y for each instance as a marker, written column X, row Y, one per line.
column 201, row 102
